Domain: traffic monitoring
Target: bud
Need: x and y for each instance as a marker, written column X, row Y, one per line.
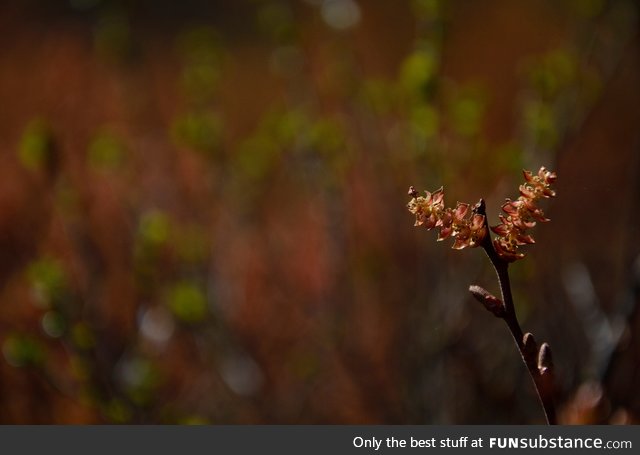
column 545, row 361
column 490, row 301
column 529, row 345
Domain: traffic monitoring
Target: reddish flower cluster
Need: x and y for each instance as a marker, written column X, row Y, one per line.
column 466, row 227
column 522, row 214
column 469, row 229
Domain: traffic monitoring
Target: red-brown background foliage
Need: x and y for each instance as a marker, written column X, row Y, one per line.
column 202, row 209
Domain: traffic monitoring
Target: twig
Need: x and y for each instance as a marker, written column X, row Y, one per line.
column 537, row 360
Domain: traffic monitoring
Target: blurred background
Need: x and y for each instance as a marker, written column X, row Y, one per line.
column 203, row 209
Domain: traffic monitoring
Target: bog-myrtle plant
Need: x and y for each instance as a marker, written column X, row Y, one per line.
column 468, row 227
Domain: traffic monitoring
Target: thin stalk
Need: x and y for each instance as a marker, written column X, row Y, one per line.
column 533, row 358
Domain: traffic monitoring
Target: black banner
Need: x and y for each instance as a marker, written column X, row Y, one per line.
column 114, row 440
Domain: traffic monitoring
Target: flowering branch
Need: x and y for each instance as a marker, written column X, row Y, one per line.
column 468, row 227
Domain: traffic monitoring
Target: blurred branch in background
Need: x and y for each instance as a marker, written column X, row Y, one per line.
column 201, row 207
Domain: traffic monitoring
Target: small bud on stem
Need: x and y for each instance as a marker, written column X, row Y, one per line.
column 545, row 361
column 492, row 303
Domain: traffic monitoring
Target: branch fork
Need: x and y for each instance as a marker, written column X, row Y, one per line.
column 537, row 359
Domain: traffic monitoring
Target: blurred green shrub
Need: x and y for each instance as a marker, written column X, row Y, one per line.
column 198, row 130
column 53, row 324
column 21, row 350
column 47, row 280
column 112, row 34
column 35, row 149
column 106, row 151
column 187, row 302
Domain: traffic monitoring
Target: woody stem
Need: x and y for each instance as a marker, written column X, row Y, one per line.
column 509, row 316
